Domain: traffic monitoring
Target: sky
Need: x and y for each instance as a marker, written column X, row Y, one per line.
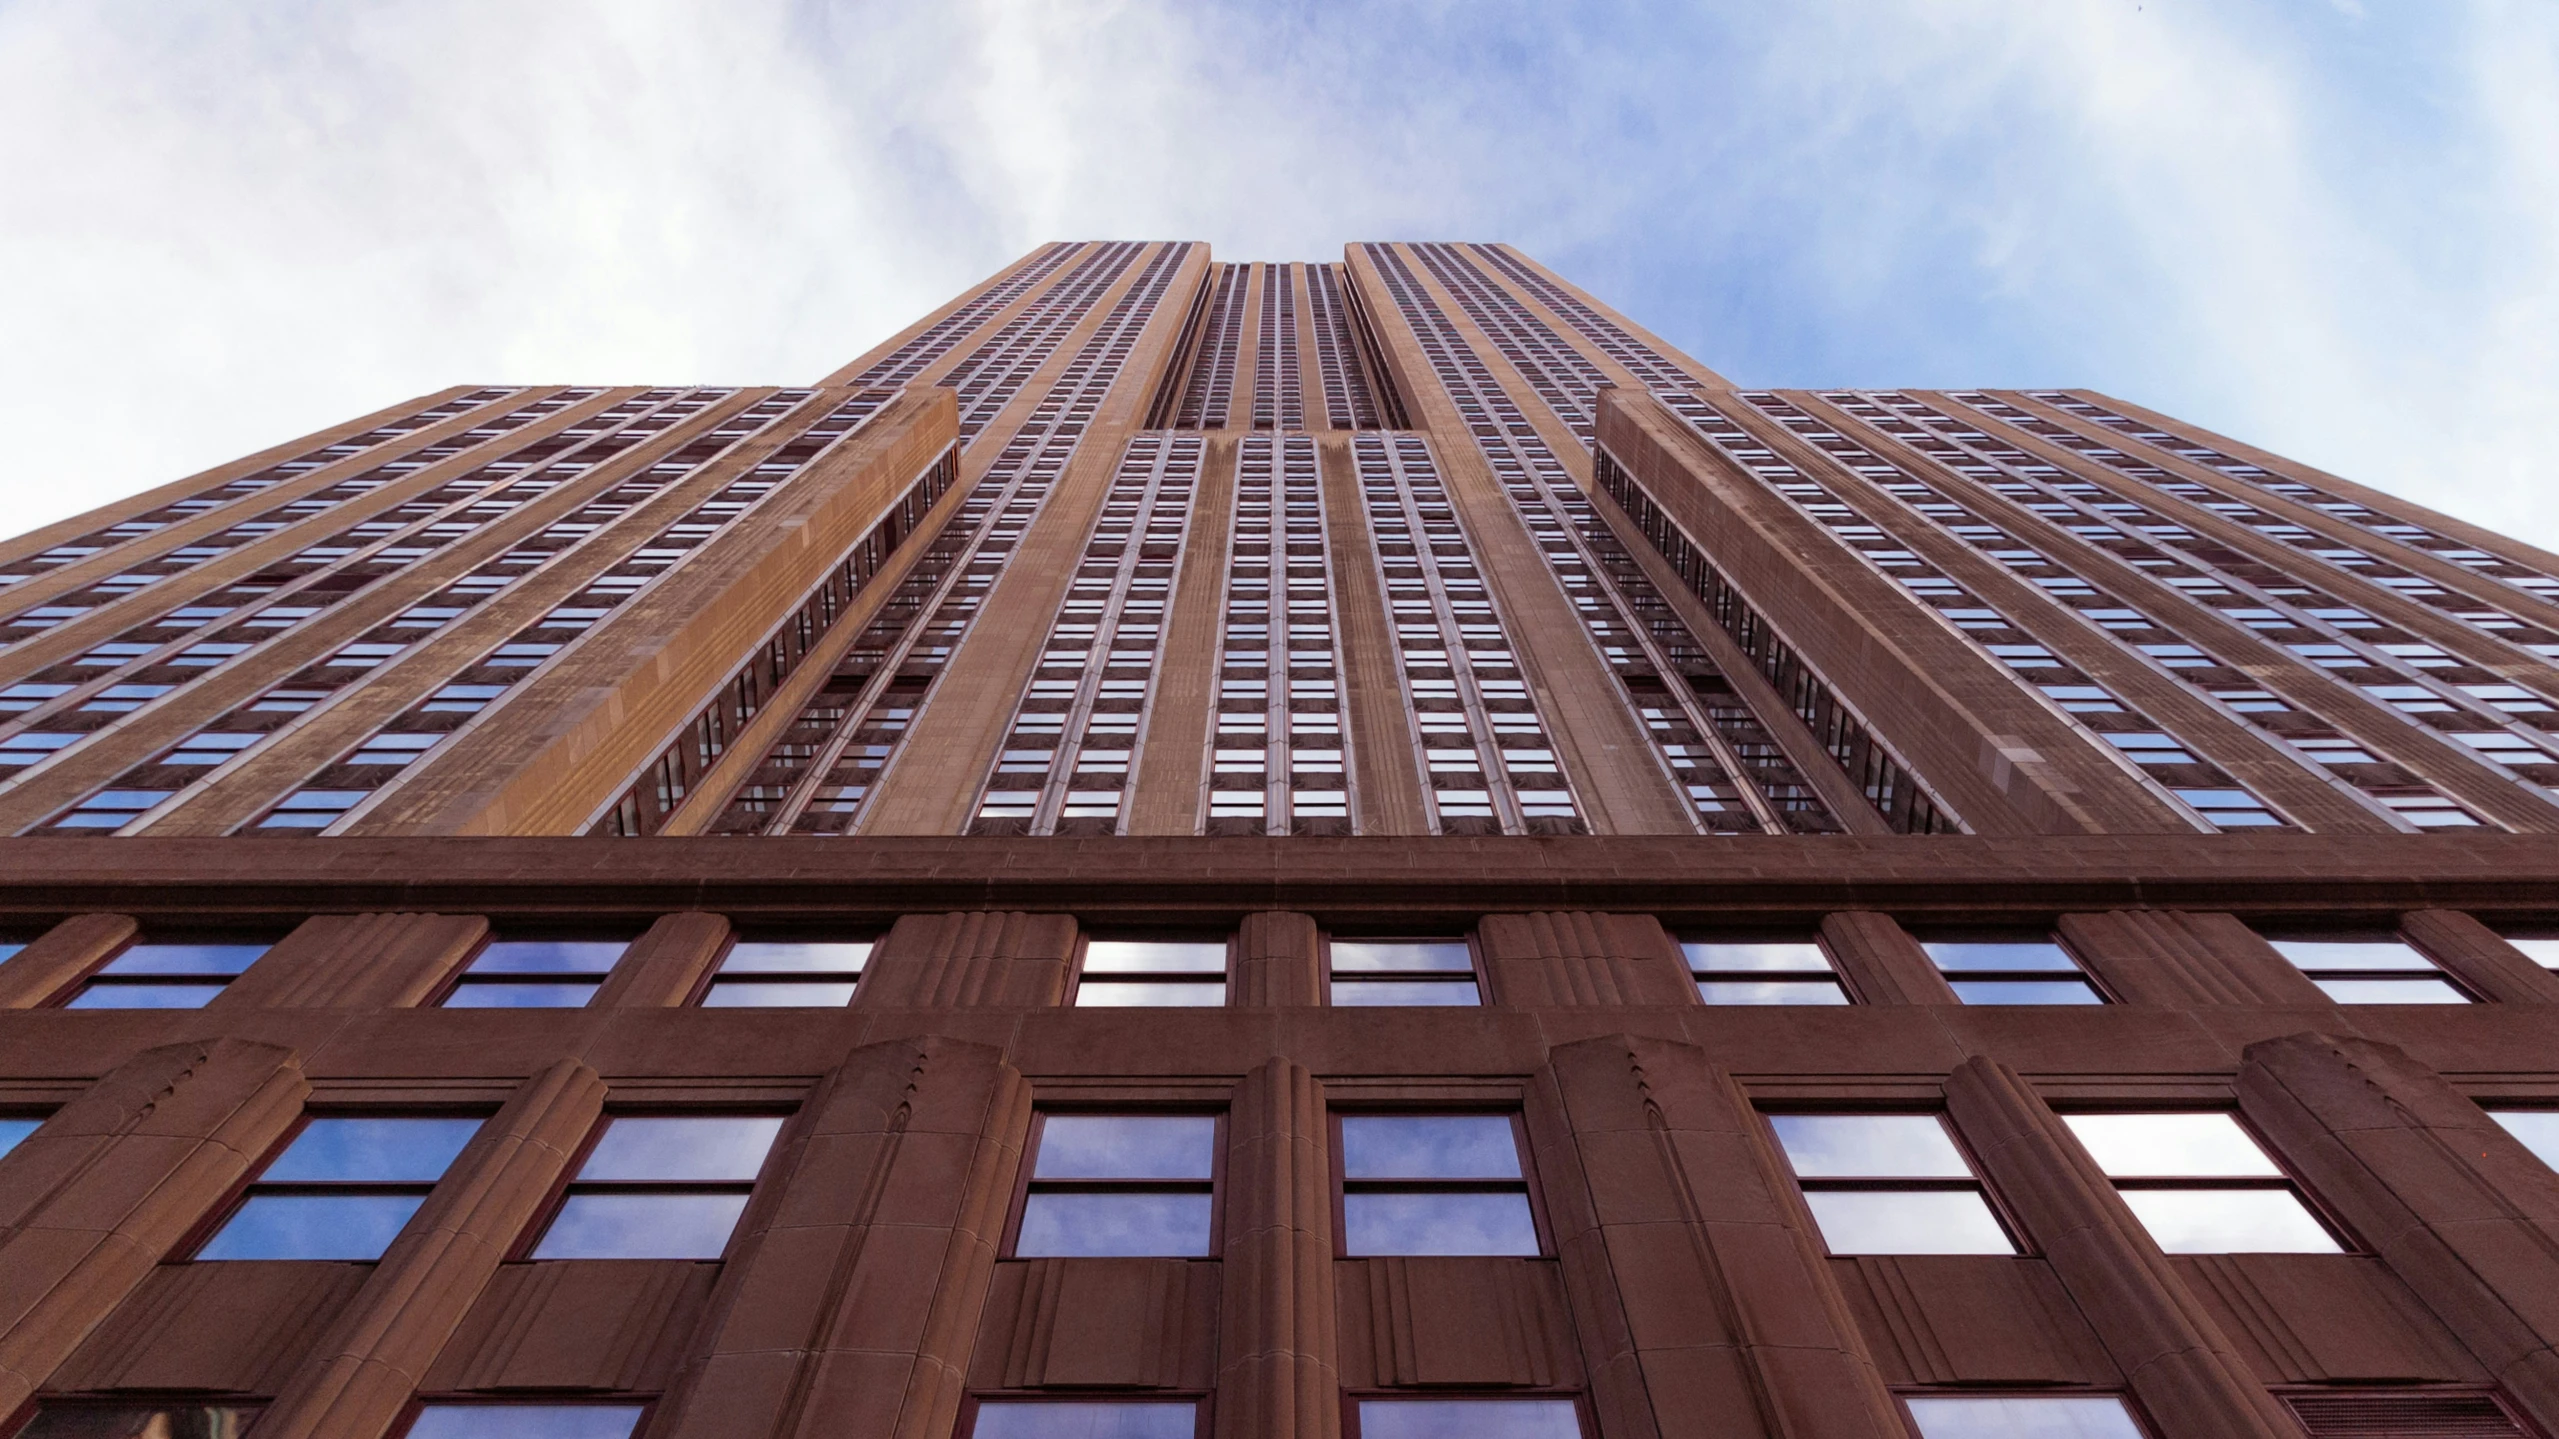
column 2328, row 227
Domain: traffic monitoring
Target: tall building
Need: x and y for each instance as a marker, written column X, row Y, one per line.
column 1276, row 851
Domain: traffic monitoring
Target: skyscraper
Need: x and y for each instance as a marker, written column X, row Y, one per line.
column 1293, row 850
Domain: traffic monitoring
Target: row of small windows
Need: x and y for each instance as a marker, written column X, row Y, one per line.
column 567, row 973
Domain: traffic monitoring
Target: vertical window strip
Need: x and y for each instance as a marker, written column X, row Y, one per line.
column 334, row 795
column 1889, row 784
column 1561, row 375
column 1278, row 751
column 2315, row 627
column 2539, row 584
column 1348, row 405
column 909, row 360
column 827, row 763
column 70, row 701
column 664, row 782
column 1279, row 399
column 1210, row 388
column 1487, row 759
column 2303, row 734
column 1071, row 751
column 2160, row 758
column 1693, row 750
column 142, row 574
column 986, row 381
column 2498, row 626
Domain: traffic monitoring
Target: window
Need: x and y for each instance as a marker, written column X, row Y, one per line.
column 1503, row 1418
column 1403, row 971
column 2373, row 970
column 1154, row 972
column 660, row 1188
column 783, row 973
column 14, row 1131
column 535, row 974
column 2043, row 1416
column 2537, row 1128
column 1086, row 1419
column 525, row 1421
column 164, row 976
column 1120, row 1184
column 2011, row 971
column 1762, row 972
column 1434, row 1184
column 168, row 1420
column 1889, row 1184
column 2200, row 1184
column 2542, row 950
column 343, row 1189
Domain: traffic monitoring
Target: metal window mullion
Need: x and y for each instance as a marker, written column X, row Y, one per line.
column 1079, row 711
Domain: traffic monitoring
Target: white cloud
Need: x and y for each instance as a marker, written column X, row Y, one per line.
column 230, row 223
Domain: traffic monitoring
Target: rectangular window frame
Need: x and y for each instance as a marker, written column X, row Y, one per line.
column 234, row 1199
column 593, row 980
column 717, row 977
column 1478, row 973
column 1526, row 1184
column 419, row 1403
column 1586, row 1421
column 2132, row 1407
column 2014, row 977
column 1024, row 1186
column 1224, row 979
column 96, row 978
column 1202, row 1402
column 569, row 1185
column 2019, row 1242
column 2279, row 935
column 2284, row 1179
column 1810, row 980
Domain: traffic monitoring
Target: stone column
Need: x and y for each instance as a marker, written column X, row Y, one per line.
column 853, row 1293
column 1704, row 1307
column 2179, row 960
column 1580, row 958
column 2185, row 1371
column 2458, row 1209
column 58, row 957
column 1881, row 962
column 2480, row 957
column 97, row 1195
column 982, row 957
column 664, row 966
column 1278, row 1369
column 1278, row 962
column 357, row 961
column 357, row 1383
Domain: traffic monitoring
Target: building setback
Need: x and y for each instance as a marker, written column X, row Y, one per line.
column 1276, row 851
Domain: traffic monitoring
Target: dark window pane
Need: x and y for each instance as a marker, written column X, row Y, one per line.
column 1384, row 992
column 1117, row 1223
column 522, row 996
column 139, row 1421
column 1468, row 1419
column 549, row 956
column 385, row 1150
column 144, row 996
column 1962, row 954
column 525, row 1421
column 1907, row 1221
column 1769, row 991
column 13, row 1131
column 1126, row 1146
column 1438, row 1224
column 769, row 956
column 1429, row 1146
column 706, row 1148
column 2027, row 991
column 1086, row 1421
column 1801, row 956
column 1869, row 1146
column 2075, row 1417
column 753, row 994
column 1450, row 955
column 184, row 959
column 313, row 1226
column 642, row 1226
column 1154, row 956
